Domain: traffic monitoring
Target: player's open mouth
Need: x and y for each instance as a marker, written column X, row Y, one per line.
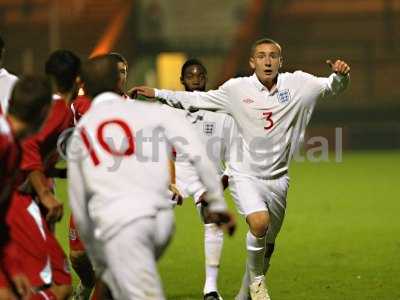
column 268, row 72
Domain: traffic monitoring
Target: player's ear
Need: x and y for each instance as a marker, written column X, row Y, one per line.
column 280, row 62
column 181, row 79
column 252, row 63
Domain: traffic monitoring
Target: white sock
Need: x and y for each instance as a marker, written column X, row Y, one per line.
column 255, row 260
column 244, row 289
column 213, row 241
column 255, row 255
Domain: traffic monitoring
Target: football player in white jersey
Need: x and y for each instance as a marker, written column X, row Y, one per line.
column 7, row 81
column 118, row 182
column 272, row 110
column 216, row 131
column 77, row 254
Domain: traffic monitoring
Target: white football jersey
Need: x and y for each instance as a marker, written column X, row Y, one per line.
column 118, row 163
column 7, row 82
column 271, row 123
column 216, row 131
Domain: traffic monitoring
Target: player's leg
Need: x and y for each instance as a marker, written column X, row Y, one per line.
column 6, row 294
column 256, row 248
column 101, row 291
column 5, row 288
column 213, row 242
column 277, row 194
column 61, row 291
column 269, row 250
column 83, row 268
column 165, row 228
column 80, row 263
column 62, row 281
column 248, row 194
column 28, row 234
column 132, row 274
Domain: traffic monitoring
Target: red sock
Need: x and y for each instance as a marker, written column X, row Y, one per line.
column 96, row 292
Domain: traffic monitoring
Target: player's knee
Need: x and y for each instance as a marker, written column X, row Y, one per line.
column 258, row 223
column 269, row 249
column 62, row 292
column 6, row 294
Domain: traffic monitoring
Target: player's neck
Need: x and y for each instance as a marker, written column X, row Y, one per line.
column 271, row 84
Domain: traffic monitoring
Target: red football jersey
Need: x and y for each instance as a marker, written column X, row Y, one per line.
column 79, row 107
column 10, row 157
column 40, row 150
column 82, row 104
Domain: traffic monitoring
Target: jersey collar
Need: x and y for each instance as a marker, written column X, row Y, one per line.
column 3, row 72
column 262, row 87
column 106, row 97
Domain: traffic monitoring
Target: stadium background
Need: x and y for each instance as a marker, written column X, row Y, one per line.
column 341, row 236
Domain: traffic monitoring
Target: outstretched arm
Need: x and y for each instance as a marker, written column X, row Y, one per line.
column 211, row 100
column 338, row 81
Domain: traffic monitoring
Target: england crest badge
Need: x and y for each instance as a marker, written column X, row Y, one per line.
column 209, row 128
column 283, row 96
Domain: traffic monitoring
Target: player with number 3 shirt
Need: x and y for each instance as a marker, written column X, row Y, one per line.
column 272, row 110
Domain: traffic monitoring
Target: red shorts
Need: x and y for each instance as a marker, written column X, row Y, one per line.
column 41, row 257
column 75, row 242
column 5, row 287
column 4, row 283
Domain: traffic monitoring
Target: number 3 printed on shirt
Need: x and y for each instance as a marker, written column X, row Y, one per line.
column 267, row 117
column 128, row 136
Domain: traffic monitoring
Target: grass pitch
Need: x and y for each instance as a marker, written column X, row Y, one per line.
column 340, row 239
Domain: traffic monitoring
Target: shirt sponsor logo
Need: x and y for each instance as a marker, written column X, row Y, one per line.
column 284, row 96
column 248, row 100
column 209, row 128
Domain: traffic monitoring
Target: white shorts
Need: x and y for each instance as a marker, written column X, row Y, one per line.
column 252, row 194
column 194, row 189
column 131, row 256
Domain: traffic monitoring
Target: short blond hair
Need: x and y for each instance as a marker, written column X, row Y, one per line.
column 265, row 41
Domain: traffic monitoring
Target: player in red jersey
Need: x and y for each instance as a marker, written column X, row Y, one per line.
column 39, row 159
column 31, row 98
column 79, row 260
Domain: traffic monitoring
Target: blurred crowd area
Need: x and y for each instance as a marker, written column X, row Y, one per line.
column 365, row 33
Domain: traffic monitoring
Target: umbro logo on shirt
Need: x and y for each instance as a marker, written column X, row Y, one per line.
column 248, row 100
column 283, row 96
